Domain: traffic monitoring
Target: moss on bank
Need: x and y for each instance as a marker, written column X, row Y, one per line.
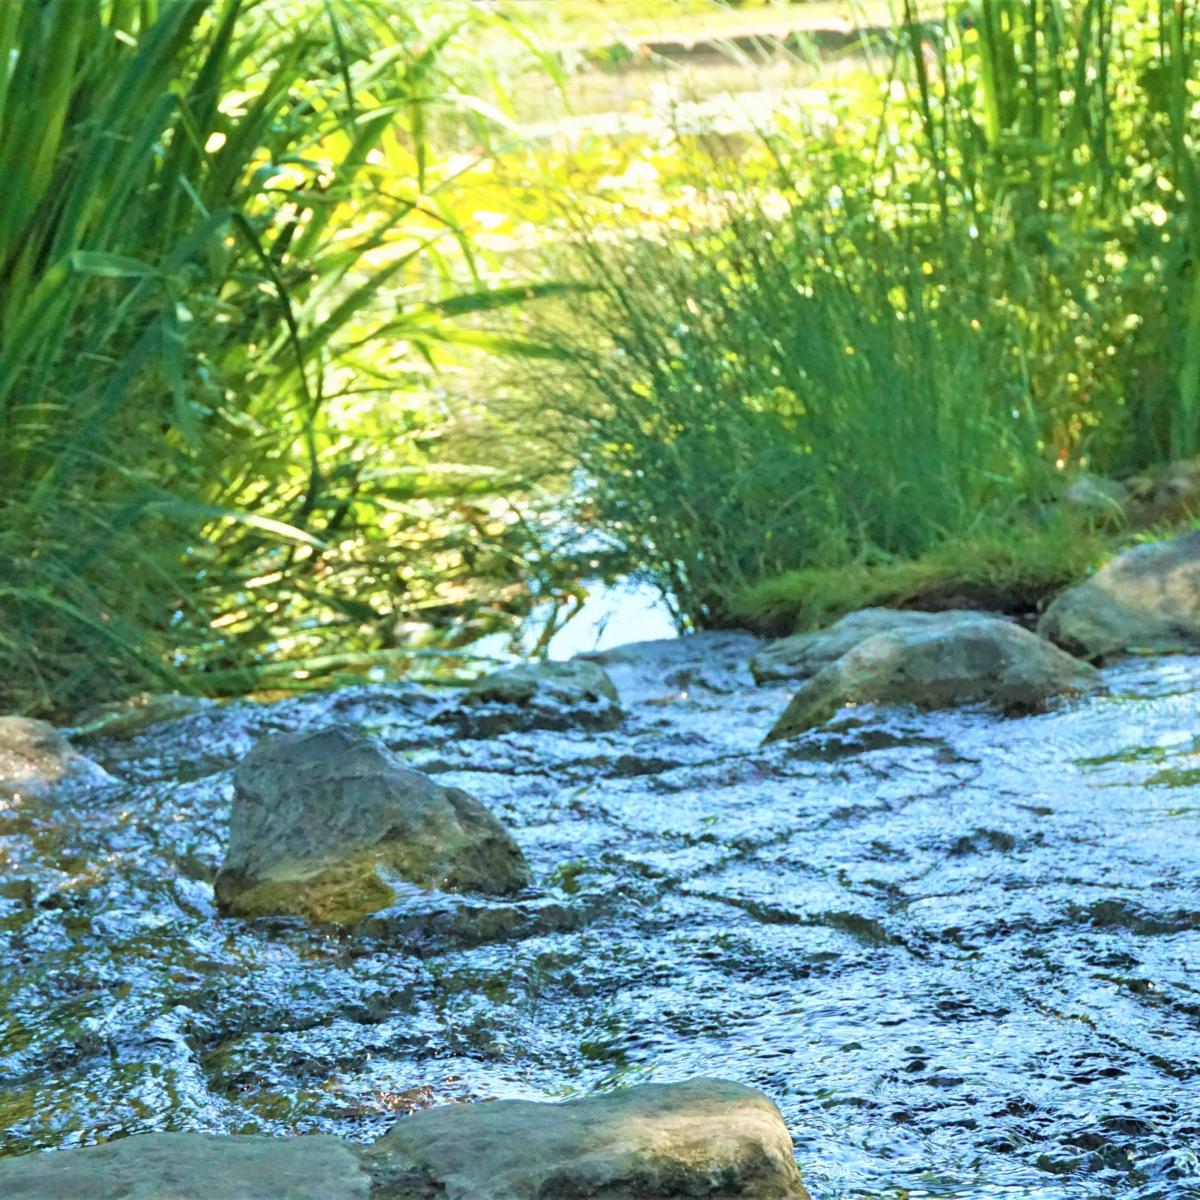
column 1008, row 568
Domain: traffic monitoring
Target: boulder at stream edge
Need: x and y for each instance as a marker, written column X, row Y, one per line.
column 801, row 656
column 319, row 819
column 961, row 659
column 1146, row 599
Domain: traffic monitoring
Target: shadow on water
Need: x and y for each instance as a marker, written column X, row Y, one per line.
column 960, row 953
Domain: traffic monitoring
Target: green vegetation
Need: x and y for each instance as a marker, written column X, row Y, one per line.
column 268, row 266
column 1006, row 567
column 222, row 232
column 978, row 272
column 770, row 397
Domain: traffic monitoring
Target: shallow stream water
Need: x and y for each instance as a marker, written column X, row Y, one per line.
column 961, row 953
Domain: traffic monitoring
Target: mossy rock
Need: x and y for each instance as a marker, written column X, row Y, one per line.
column 1145, row 600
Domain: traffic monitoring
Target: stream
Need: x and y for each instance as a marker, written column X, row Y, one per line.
column 961, row 953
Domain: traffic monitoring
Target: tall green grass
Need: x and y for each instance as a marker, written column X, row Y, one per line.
column 769, row 395
column 1064, row 133
column 223, row 224
column 986, row 278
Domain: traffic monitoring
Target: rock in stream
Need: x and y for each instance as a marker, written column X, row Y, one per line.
column 538, row 695
column 36, row 759
column 191, row 1166
column 953, row 660
column 318, row 816
column 1146, row 600
column 707, row 1139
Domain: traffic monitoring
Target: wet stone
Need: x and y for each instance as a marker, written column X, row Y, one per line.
column 803, row 655
column 956, row 661
column 320, row 819
column 1146, row 600
column 36, row 760
column 542, row 695
column 704, row 1138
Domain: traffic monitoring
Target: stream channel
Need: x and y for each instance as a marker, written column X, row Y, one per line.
column 959, row 952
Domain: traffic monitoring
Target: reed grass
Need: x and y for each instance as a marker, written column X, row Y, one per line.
column 771, row 395
column 222, row 234
column 984, row 283
column 1061, row 132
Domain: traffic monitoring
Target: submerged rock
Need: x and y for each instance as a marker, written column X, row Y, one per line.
column 318, row 816
column 804, row 654
column 964, row 659
column 705, row 1138
column 190, row 1166
column 713, row 662
column 125, row 718
column 1146, row 599
column 35, row 758
column 540, row 695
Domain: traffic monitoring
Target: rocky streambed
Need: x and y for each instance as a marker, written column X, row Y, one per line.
column 958, row 949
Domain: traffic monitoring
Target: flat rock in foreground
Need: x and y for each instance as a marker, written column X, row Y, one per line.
column 1147, row 599
column 981, row 660
column 35, row 759
column 318, row 816
column 190, row 1166
column 801, row 656
column 703, row 1139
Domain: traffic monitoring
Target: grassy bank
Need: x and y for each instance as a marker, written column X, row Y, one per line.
column 1012, row 568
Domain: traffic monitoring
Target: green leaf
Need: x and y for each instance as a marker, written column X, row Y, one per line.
column 110, row 266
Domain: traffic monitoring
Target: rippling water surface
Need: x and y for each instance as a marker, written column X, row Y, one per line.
column 961, row 953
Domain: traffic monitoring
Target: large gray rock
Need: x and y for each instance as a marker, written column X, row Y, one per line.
column 318, row 816
column 190, row 1166
column 35, row 759
column 704, row 1138
column 538, row 695
column 960, row 661
column 801, row 656
column 1146, row 599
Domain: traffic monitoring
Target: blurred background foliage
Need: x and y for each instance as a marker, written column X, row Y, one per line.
column 329, row 342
